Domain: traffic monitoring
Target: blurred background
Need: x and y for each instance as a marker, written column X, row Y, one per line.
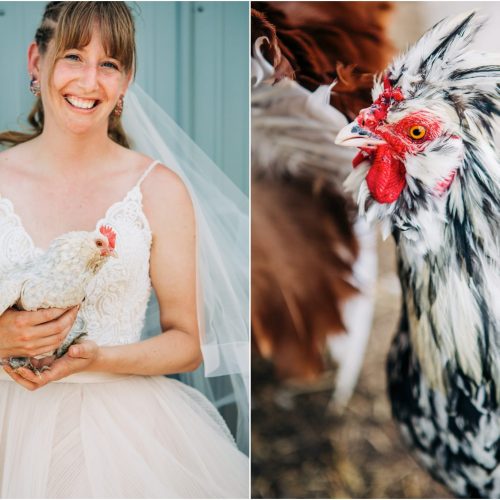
column 301, row 447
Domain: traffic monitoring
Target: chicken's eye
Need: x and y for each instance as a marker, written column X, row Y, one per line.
column 99, row 243
column 417, row 132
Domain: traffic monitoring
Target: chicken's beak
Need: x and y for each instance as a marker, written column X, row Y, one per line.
column 355, row 136
column 109, row 252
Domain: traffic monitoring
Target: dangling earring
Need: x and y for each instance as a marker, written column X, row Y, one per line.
column 119, row 107
column 34, row 86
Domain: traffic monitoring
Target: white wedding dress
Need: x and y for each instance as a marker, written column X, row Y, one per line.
column 95, row 435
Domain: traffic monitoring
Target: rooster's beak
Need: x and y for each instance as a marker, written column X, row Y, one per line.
column 356, row 136
column 113, row 253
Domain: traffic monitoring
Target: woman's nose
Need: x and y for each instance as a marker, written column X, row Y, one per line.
column 89, row 78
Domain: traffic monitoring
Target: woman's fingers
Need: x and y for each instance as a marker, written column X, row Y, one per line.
column 21, row 379
column 48, row 344
column 45, row 337
column 61, row 325
column 48, row 315
column 31, row 333
column 29, row 375
column 86, row 349
column 29, row 319
column 36, row 347
column 80, row 356
column 48, row 348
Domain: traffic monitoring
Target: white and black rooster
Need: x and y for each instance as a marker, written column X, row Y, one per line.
column 429, row 170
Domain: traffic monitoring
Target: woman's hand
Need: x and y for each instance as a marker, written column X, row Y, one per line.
column 31, row 333
column 77, row 359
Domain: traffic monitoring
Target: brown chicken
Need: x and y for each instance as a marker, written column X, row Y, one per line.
column 305, row 239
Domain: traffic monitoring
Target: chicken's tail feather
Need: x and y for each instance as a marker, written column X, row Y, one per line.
column 302, row 261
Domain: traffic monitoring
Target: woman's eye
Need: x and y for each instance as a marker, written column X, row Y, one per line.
column 109, row 64
column 72, row 57
column 417, row 132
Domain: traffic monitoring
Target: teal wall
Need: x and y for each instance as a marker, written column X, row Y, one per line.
column 192, row 59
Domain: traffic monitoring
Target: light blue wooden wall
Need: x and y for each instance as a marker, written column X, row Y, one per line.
column 192, row 59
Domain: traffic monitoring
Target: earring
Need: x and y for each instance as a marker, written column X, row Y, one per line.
column 119, row 107
column 34, row 86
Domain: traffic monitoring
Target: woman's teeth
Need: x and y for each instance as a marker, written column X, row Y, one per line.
column 81, row 103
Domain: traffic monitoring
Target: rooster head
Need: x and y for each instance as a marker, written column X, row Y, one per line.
column 431, row 119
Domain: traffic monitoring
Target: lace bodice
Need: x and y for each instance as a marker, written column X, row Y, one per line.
column 115, row 305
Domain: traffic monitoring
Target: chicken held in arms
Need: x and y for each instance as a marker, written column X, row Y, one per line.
column 57, row 278
column 427, row 167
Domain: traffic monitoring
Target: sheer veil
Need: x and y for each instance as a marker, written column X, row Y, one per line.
column 223, row 259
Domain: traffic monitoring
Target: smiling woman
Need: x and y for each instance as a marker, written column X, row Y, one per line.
column 99, row 421
column 68, row 66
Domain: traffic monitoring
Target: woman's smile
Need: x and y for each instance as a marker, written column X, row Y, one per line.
column 80, row 104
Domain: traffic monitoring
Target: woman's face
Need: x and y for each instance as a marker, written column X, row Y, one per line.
column 84, row 89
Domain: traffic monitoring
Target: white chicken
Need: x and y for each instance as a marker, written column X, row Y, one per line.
column 57, row 278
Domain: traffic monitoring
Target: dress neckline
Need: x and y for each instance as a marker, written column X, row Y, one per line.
column 136, row 188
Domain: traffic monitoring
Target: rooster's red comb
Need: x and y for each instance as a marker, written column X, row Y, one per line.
column 385, row 99
column 110, row 234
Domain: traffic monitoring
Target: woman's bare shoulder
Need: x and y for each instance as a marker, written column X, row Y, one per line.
column 130, row 160
column 160, row 179
column 17, row 163
column 15, row 155
column 162, row 182
column 166, row 196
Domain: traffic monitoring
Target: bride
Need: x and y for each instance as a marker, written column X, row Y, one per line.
column 102, row 422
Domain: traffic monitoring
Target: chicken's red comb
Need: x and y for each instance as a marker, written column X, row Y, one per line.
column 371, row 117
column 110, row 234
column 385, row 99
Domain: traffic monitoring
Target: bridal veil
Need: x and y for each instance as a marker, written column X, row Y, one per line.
column 222, row 259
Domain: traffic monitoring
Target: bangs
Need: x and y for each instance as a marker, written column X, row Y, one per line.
column 77, row 21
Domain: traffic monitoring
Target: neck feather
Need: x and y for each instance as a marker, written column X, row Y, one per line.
column 450, row 288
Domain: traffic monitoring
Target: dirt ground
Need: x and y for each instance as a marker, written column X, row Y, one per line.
column 300, row 450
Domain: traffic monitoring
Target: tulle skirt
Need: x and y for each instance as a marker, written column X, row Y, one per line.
column 105, row 436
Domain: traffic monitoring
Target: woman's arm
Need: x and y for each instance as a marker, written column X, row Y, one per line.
column 170, row 213
column 173, row 274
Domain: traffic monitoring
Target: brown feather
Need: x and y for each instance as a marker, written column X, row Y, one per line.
column 327, row 41
column 302, row 254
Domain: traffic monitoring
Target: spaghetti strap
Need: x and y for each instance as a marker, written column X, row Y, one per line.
column 146, row 172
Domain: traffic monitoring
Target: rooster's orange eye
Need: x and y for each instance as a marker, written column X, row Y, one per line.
column 99, row 243
column 417, row 132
